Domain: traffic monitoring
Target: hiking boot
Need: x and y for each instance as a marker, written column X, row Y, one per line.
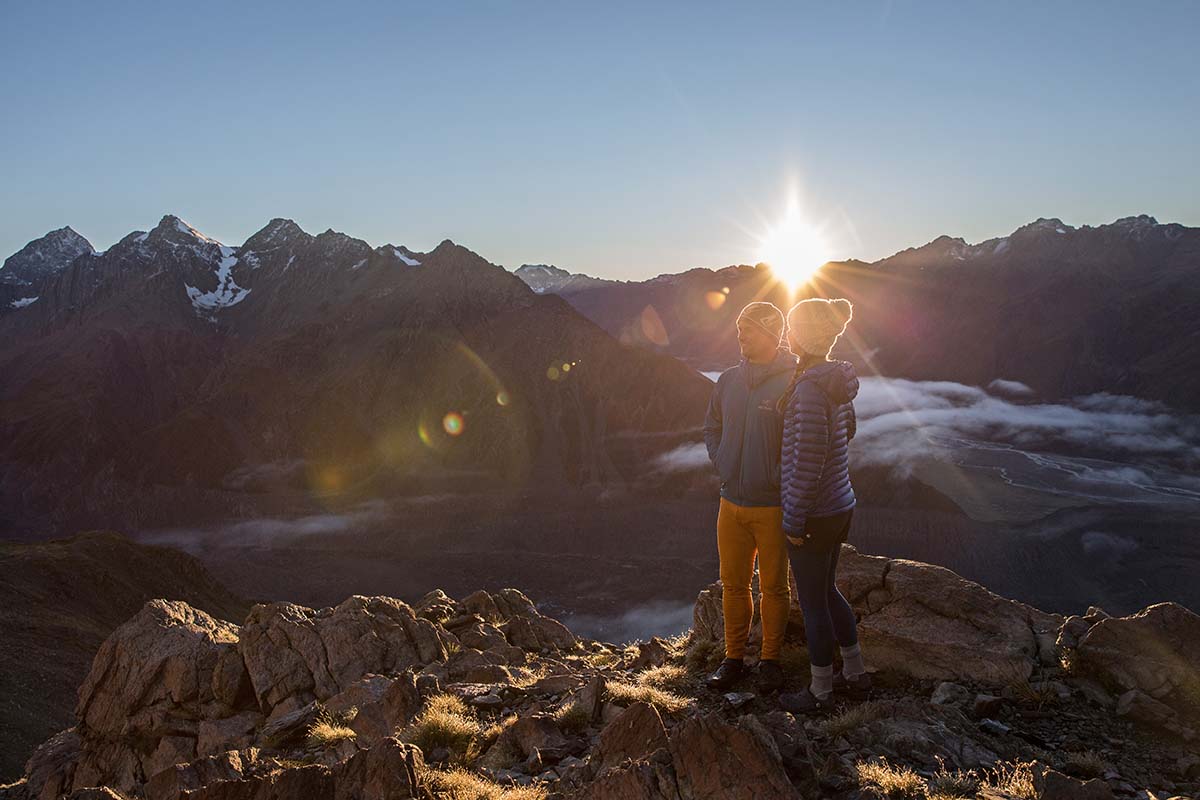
column 770, row 677
column 856, row 688
column 730, row 672
column 805, row 702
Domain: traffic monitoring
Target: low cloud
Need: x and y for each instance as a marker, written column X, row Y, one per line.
column 269, row 531
column 1010, row 388
column 1099, row 445
column 654, row 619
column 684, row 458
column 1106, row 546
column 901, row 420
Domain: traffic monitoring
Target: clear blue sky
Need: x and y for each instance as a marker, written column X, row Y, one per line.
column 621, row 140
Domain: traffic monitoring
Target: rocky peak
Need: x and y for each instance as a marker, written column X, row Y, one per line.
column 335, row 246
column 175, row 232
column 549, row 279
column 44, row 257
column 279, row 232
column 1140, row 221
column 1043, row 225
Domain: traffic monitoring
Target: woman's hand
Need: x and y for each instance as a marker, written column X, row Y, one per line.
column 799, row 542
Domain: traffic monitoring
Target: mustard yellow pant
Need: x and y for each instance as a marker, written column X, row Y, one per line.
column 742, row 533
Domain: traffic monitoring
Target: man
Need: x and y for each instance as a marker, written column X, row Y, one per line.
column 743, row 433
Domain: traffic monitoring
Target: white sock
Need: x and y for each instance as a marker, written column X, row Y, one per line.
column 822, row 682
column 852, row 662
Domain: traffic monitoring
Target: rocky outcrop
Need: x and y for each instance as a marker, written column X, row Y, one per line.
column 714, row 758
column 153, row 680
column 296, row 655
column 1152, row 659
column 367, row 701
column 924, row 621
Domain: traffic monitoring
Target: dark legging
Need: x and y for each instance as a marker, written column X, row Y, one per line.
column 827, row 615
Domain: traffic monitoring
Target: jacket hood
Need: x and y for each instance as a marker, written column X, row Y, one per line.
column 836, row 378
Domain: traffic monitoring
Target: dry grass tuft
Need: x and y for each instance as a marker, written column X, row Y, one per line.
column 667, row 702
column 853, row 717
column 444, row 722
column 524, row 677
column 950, row 785
column 330, row 729
column 703, row 655
column 572, row 718
column 601, row 658
column 1013, row 779
column 885, row 780
column 668, row 676
column 1087, row 763
column 1038, row 694
column 458, row 784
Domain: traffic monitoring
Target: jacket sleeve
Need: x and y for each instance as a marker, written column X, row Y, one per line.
column 805, row 440
column 712, row 424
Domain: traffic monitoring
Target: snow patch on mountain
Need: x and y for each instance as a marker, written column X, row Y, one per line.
column 412, row 262
column 227, row 293
column 22, row 302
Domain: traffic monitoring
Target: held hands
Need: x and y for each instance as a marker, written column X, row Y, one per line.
column 800, row 540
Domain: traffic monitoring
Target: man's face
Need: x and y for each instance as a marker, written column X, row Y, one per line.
column 755, row 343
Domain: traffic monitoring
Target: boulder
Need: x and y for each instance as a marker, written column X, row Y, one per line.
column 393, row 710
column 390, row 770
column 636, row 733
column 151, row 683
column 293, row 651
column 167, row 666
column 290, row 728
column 538, row 633
column 1155, row 651
column 1138, row 705
column 924, row 621
column 533, row 733
column 363, row 692
column 482, row 636
column 732, row 761
column 50, row 770
column 653, row 653
column 172, row 782
column 1053, row 785
column 231, row 733
column 653, row 779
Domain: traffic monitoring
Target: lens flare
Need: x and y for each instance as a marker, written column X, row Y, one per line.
column 502, row 398
column 714, row 300
column 453, row 423
column 652, row 327
column 424, row 434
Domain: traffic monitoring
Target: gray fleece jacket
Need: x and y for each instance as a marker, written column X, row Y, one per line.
column 743, row 430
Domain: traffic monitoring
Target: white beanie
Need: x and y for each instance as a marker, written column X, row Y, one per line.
column 815, row 325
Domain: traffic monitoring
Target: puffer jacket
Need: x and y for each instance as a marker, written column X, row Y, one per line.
column 818, row 425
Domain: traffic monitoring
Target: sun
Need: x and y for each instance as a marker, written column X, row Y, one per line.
column 794, row 249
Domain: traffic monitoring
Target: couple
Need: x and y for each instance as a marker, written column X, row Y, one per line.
column 778, row 429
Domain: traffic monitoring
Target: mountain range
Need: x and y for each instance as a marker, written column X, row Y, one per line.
column 1064, row 310
column 172, row 377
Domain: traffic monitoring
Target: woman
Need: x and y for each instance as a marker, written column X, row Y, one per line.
column 818, row 500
